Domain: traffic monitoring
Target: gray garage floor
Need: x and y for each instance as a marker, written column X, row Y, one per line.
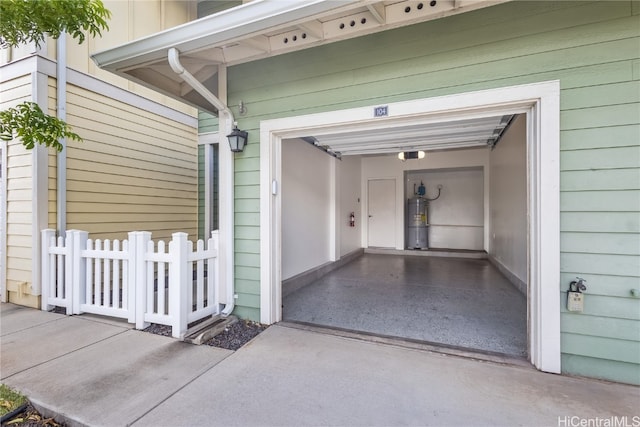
column 457, row 302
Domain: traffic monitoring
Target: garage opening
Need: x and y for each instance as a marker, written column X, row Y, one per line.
column 501, row 258
column 437, row 280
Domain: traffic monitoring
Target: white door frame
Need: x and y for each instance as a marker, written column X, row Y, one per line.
column 541, row 103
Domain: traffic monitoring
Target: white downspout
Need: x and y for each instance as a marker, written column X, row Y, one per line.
column 61, row 108
column 227, row 237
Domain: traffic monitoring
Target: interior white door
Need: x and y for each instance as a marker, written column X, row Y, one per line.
column 382, row 213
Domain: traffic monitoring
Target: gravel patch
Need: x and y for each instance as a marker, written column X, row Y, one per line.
column 236, row 335
column 156, row 329
column 233, row 337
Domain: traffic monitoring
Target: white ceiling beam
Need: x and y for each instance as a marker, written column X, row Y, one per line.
column 424, row 133
column 214, row 56
column 153, row 78
column 378, row 11
column 408, row 144
column 202, row 75
column 389, row 150
column 260, row 43
column 313, row 28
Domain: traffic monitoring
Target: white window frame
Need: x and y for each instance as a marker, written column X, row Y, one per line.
column 541, row 103
column 208, row 140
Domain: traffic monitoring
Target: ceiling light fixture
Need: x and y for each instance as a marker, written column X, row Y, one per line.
column 405, row 155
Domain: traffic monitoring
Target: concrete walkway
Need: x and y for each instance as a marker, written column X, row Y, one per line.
column 89, row 371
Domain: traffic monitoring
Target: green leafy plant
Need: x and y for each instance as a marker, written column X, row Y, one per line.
column 28, row 122
column 24, row 21
column 30, row 21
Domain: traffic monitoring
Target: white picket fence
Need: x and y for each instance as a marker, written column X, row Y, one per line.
column 132, row 279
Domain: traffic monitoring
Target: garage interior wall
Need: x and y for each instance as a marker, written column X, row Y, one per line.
column 456, row 218
column 306, row 207
column 309, row 206
column 450, row 167
column 508, row 202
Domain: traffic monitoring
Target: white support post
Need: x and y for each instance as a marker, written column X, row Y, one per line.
column 335, row 217
column 78, row 241
column 140, row 268
column 214, row 276
column 47, row 235
column 179, row 284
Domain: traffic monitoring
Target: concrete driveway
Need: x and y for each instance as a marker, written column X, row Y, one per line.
column 110, row 375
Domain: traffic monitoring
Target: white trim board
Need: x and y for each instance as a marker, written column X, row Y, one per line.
column 3, row 221
column 40, row 185
column 541, row 103
column 47, row 67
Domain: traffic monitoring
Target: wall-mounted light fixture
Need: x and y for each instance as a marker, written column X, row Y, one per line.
column 405, row 155
column 237, row 139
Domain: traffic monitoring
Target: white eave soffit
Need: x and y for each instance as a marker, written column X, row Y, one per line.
column 260, row 29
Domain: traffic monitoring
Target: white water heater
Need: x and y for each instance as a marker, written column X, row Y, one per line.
column 417, row 224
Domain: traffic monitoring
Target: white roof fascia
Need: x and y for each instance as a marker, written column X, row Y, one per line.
column 217, row 29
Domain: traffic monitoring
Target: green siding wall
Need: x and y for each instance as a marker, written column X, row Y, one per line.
column 207, row 122
column 593, row 48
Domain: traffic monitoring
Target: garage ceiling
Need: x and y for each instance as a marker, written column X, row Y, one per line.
column 477, row 132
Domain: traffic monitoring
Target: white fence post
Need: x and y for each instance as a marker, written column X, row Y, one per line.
column 78, row 240
column 131, row 277
column 179, row 284
column 45, row 284
column 142, row 238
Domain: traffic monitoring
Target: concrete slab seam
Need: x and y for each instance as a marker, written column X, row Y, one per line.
column 32, row 326
column 65, row 354
column 195, row 377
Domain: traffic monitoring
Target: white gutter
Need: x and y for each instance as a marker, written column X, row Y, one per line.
column 227, row 237
column 219, row 29
column 61, row 108
column 173, row 57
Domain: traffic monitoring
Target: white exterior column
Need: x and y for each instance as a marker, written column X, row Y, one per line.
column 226, row 196
column 40, row 172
